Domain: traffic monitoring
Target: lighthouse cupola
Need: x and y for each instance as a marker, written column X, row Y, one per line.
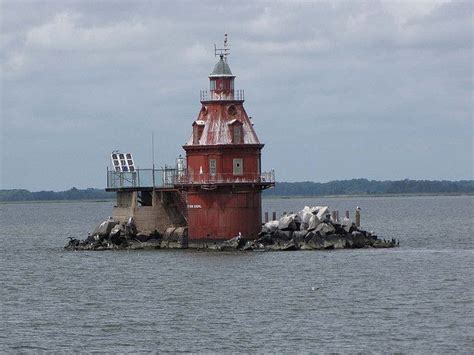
column 221, row 81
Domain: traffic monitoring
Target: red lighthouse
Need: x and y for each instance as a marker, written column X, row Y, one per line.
column 223, row 180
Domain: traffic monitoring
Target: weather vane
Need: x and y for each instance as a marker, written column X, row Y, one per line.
column 222, row 52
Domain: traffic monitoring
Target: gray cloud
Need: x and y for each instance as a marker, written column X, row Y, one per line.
column 337, row 90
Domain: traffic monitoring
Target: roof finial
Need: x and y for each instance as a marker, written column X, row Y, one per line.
column 222, row 52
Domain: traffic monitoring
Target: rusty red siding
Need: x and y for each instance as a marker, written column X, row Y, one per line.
column 222, row 204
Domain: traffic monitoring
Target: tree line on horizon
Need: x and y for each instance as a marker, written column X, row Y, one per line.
column 370, row 187
column 71, row 194
column 285, row 189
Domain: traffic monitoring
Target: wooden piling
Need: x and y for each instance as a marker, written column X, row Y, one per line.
column 266, row 217
column 274, row 217
column 357, row 216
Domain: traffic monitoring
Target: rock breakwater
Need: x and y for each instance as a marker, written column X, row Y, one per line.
column 310, row 229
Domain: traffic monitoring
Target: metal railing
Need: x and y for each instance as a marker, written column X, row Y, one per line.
column 168, row 178
column 221, row 178
column 141, row 178
column 236, row 95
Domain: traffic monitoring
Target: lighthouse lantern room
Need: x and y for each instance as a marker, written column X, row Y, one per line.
column 223, row 180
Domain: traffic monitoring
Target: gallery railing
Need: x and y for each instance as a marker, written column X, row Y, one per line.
column 234, row 95
column 169, row 178
column 220, row 178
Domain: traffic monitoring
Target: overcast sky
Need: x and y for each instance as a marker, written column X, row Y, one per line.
column 337, row 90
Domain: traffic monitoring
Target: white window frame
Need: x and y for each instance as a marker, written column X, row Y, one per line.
column 212, row 167
column 238, row 166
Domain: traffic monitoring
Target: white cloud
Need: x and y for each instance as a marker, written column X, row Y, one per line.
column 64, row 32
column 15, row 61
column 196, row 53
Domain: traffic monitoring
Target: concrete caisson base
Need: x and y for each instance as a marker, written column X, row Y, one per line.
column 151, row 210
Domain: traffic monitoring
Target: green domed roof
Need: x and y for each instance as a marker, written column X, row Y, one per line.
column 221, row 69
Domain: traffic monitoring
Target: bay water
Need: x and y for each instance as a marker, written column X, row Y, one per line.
column 417, row 298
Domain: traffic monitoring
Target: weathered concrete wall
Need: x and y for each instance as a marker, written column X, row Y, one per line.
column 166, row 210
column 126, row 199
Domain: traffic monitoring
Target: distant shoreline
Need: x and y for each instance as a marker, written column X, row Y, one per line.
column 56, row 201
column 273, row 197
column 276, row 197
column 282, row 190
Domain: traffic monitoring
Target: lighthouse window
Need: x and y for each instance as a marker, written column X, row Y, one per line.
column 237, row 134
column 238, row 166
column 212, row 167
column 213, row 85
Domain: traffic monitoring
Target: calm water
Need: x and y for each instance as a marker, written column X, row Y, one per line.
column 417, row 298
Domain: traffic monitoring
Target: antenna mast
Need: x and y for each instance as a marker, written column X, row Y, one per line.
column 153, row 149
column 222, row 52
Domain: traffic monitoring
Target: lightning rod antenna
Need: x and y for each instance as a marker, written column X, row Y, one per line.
column 224, row 51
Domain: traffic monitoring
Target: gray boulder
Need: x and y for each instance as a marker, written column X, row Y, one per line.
column 142, row 237
column 181, row 234
column 131, row 228
column 312, row 241
column 289, row 223
column 270, row 226
column 253, row 245
column 105, row 227
column 266, row 238
column 334, row 241
column 349, row 228
column 323, row 211
column 325, row 228
column 117, row 229
column 285, row 235
column 357, row 240
column 169, row 232
column 305, row 215
column 233, row 244
column 282, row 246
column 299, row 236
column 115, row 234
column 291, row 245
column 313, row 222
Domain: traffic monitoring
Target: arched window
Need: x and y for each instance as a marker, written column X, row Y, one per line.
column 232, row 110
column 236, row 131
